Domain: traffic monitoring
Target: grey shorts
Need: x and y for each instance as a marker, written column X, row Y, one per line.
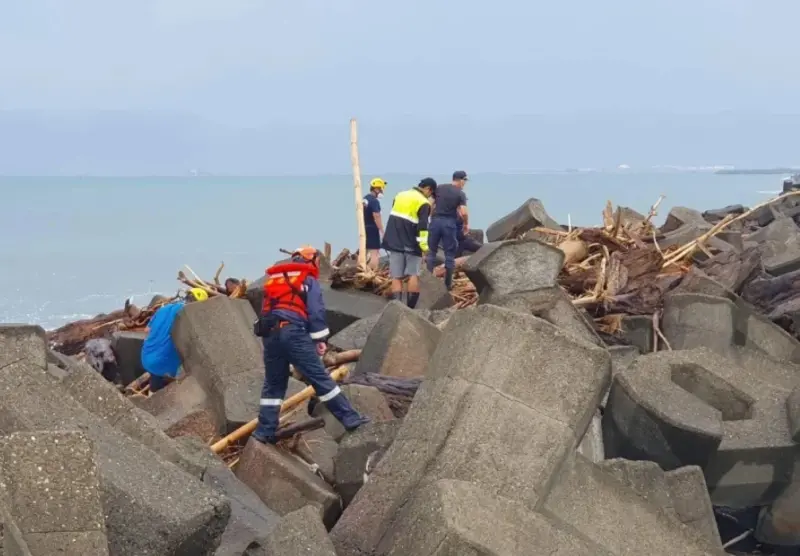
column 403, row 264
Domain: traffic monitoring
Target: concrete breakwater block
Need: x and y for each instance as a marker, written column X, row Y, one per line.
column 52, row 487
column 127, row 347
column 505, row 399
column 694, row 407
column 399, row 344
column 531, row 214
column 285, row 483
column 358, row 455
column 780, row 246
column 367, row 400
column 299, row 533
column 513, row 266
column 216, row 342
column 151, row 506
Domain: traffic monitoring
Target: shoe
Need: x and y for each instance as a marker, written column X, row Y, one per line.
column 263, row 440
column 362, row 420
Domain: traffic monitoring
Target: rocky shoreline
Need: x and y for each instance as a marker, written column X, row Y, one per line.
column 613, row 390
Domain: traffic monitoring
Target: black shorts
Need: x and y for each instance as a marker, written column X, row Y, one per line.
column 373, row 239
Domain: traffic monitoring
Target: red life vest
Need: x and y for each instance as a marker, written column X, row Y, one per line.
column 284, row 288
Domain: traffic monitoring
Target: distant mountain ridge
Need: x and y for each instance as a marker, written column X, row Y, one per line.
column 168, row 143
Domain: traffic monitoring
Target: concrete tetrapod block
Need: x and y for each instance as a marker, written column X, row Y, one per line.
column 696, row 320
column 433, row 294
column 793, row 411
column 779, row 523
column 285, row 483
column 319, row 448
column 127, row 347
column 367, row 400
column 359, row 453
column 457, row 517
column 180, row 408
column 101, row 398
column 780, row 241
column 694, row 407
column 504, row 401
column 216, row 342
column 23, row 342
column 400, row 344
column 52, row 487
column 511, row 267
column 344, row 307
column 553, row 305
column 355, row 335
column 299, row 533
column 152, row 506
column 527, row 217
column 681, row 492
column 597, row 505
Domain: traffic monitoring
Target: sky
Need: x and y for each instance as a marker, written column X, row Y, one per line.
column 304, row 64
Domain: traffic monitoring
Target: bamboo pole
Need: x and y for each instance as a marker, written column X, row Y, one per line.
column 244, row 431
column 362, row 234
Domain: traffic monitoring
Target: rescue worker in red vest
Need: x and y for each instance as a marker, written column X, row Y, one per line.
column 293, row 329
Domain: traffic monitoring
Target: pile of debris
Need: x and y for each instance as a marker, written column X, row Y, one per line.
column 617, row 390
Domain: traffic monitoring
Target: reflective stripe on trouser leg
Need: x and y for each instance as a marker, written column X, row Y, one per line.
column 330, row 395
column 271, row 401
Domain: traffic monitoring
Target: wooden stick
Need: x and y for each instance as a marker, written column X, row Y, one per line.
column 336, row 359
column 219, row 271
column 303, row 426
column 654, row 209
column 327, row 251
column 246, row 430
column 362, row 234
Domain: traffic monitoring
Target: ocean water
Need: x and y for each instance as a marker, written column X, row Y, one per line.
column 71, row 248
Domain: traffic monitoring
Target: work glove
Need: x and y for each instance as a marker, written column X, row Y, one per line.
column 422, row 240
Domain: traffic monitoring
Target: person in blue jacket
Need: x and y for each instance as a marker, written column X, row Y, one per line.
column 159, row 356
column 293, row 330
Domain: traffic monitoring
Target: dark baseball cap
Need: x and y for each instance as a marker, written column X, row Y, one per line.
column 460, row 175
column 428, row 182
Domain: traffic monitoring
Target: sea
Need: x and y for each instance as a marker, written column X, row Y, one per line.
column 74, row 247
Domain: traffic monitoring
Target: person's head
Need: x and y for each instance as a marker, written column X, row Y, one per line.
column 231, row 284
column 427, row 186
column 306, row 254
column 196, row 294
column 460, row 178
column 377, row 186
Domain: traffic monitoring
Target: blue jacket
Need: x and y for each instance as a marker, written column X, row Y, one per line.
column 315, row 324
column 159, row 356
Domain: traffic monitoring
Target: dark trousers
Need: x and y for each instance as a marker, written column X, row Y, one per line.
column 291, row 344
column 466, row 243
column 159, row 382
column 442, row 231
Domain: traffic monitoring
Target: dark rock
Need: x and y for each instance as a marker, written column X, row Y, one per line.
column 128, row 349
column 528, row 216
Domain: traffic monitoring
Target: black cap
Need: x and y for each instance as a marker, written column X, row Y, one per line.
column 428, row 182
column 460, row 175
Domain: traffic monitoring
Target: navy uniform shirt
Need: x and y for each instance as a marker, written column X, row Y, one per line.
column 372, row 206
column 448, row 199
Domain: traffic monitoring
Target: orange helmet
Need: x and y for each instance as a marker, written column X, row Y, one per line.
column 306, row 254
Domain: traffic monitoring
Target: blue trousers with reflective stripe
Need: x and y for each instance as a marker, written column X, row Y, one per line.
column 292, row 345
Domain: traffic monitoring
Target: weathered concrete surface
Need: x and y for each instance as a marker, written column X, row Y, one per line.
column 681, row 492
column 52, row 486
column 13, row 542
column 250, row 520
column 318, row 448
column 285, row 483
column 367, row 400
column 21, row 342
column 685, row 224
column 793, row 411
column 637, row 330
column 299, row 533
column 780, row 245
column 216, row 342
column 359, row 454
column 127, row 347
column 433, row 294
column 102, row 399
column 528, row 216
column 779, row 523
column 400, row 344
column 152, row 507
column 696, row 320
column 505, row 399
column 344, row 307
column 615, row 516
column 355, row 335
column 591, row 445
column 695, row 407
column 181, row 407
column 512, row 267
column 459, row 517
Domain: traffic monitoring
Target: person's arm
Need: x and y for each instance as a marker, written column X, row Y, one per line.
column 422, row 226
column 315, row 305
column 463, row 212
column 377, row 216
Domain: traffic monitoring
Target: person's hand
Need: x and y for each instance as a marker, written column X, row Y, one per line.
column 466, row 229
column 322, row 348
